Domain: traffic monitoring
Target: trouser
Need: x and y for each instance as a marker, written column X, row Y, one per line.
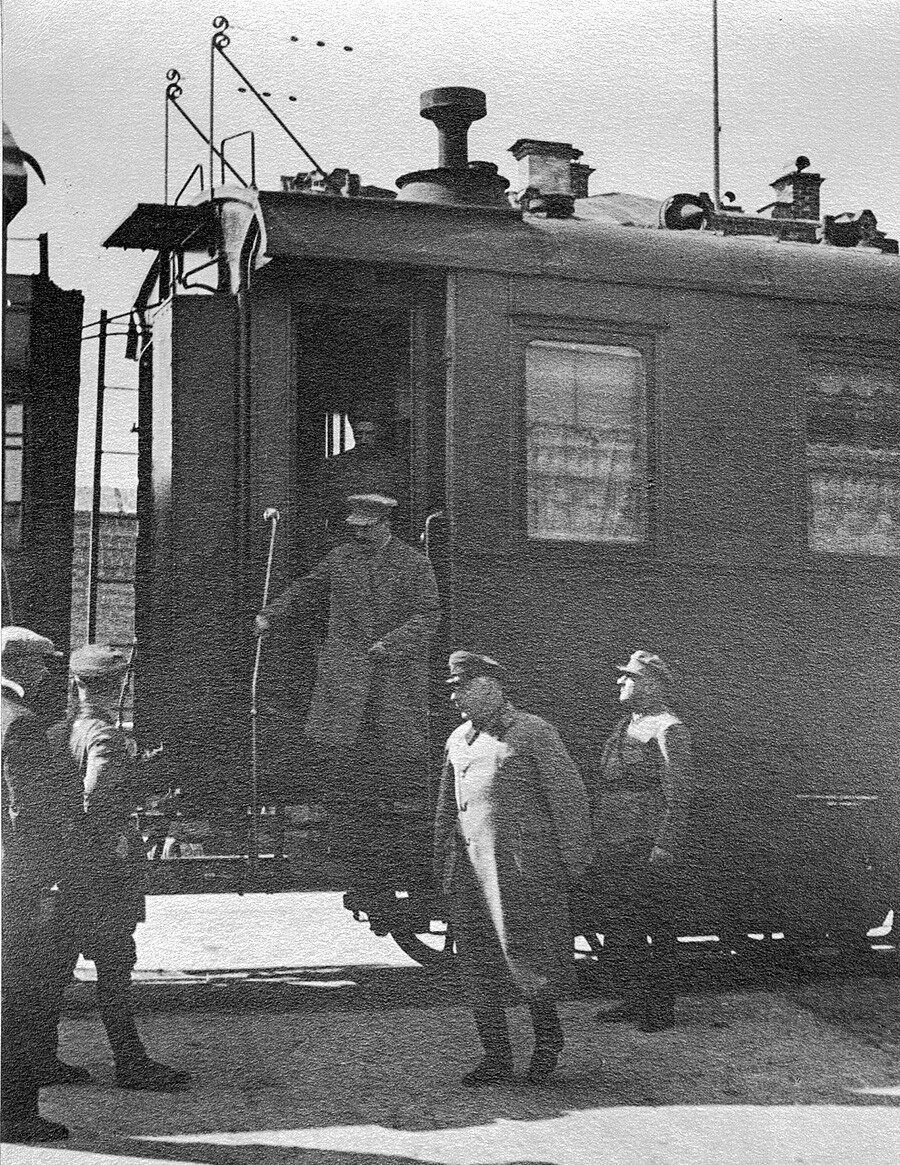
column 33, row 951
column 114, row 954
column 493, row 1029
column 647, row 900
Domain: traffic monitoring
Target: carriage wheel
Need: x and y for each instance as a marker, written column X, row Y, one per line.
column 432, row 948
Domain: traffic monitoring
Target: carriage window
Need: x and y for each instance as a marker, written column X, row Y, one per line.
column 12, row 473
column 853, row 455
column 586, row 409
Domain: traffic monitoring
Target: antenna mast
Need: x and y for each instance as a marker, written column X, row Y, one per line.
column 717, row 129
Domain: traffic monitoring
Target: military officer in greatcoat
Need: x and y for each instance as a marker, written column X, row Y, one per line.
column 640, row 808
column 39, row 807
column 512, row 834
column 107, row 897
column 369, row 708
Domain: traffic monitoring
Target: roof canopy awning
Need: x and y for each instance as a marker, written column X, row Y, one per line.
column 153, row 226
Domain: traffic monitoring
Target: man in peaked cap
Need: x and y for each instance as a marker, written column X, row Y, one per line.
column 640, row 805
column 36, row 848
column 512, row 833
column 369, row 707
column 108, row 897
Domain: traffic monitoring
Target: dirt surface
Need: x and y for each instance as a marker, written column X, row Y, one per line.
column 350, row 1076
column 357, row 1062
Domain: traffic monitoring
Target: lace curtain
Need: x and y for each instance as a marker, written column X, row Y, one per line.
column 586, row 420
column 853, row 458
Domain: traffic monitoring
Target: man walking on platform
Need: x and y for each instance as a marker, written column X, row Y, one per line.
column 640, row 806
column 511, row 835
column 40, row 803
column 107, row 898
column 369, row 706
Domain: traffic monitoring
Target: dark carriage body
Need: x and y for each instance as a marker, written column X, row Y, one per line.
column 788, row 652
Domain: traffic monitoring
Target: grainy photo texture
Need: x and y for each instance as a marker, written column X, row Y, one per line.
column 451, row 583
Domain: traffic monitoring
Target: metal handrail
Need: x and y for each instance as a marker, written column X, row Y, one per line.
column 231, row 138
column 199, row 167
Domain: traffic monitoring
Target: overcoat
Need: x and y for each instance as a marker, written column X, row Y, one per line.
column 512, row 833
column 109, row 894
column 389, row 596
column 41, row 809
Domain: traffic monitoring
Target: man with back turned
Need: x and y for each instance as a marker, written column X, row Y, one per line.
column 40, row 806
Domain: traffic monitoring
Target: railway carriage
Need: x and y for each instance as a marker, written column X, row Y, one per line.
column 610, row 436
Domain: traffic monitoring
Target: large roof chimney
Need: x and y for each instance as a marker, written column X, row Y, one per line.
column 455, row 181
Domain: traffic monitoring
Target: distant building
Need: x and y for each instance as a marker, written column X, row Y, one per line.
column 116, row 566
column 41, row 373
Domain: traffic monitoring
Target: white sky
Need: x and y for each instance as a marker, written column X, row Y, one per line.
column 626, row 81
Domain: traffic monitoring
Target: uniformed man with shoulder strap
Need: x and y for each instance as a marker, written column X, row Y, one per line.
column 109, row 897
column 640, row 807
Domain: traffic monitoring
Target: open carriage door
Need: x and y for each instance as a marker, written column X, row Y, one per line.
column 430, row 525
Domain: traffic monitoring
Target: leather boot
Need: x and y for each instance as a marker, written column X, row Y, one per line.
column 660, row 988
column 493, row 1032
column 548, row 1041
column 134, row 1068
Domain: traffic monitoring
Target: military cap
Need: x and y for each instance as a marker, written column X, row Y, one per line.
column 645, row 663
column 466, row 665
column 97, row 661
column 367, row 509
column 18, row 642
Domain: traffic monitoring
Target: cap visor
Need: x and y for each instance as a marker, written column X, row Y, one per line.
column 361, row 521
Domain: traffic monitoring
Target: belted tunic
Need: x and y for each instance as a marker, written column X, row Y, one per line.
column 512, row 832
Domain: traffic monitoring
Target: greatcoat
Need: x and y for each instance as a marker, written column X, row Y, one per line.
column 389, row 596
column 512, row 833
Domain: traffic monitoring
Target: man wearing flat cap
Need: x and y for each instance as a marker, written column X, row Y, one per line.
column 512, row 833
column 640, row 806
column 369, row 705
column 107, row 899
column 39, row 805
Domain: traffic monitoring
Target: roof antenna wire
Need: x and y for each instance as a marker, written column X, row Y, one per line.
column 219, row 43
column 717, row 128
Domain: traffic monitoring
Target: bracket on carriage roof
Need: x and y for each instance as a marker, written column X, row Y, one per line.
column 219, row 43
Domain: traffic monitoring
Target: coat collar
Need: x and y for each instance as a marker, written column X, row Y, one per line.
column 499, row 724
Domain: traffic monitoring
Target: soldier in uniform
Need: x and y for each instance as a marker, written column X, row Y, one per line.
column 512, row 834
column 640, row 806
column 38, row 810
column 108, row 897
column 369, row 708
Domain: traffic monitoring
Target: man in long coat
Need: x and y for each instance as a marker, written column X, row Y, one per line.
column 640, row 809
column 512, row 833
column 39, row 810
column 369, row 708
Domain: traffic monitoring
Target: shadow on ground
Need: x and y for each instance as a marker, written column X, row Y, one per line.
column 358, row 1066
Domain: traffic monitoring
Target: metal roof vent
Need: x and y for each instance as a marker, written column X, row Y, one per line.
column 455, row 181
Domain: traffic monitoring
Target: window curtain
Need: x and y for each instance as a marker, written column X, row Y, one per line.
column 585, row 453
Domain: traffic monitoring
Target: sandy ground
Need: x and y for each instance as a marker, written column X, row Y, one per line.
column 357, row 1062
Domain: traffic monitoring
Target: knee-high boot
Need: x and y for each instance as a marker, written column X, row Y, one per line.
column 493, row 1031
column 548, row 1033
